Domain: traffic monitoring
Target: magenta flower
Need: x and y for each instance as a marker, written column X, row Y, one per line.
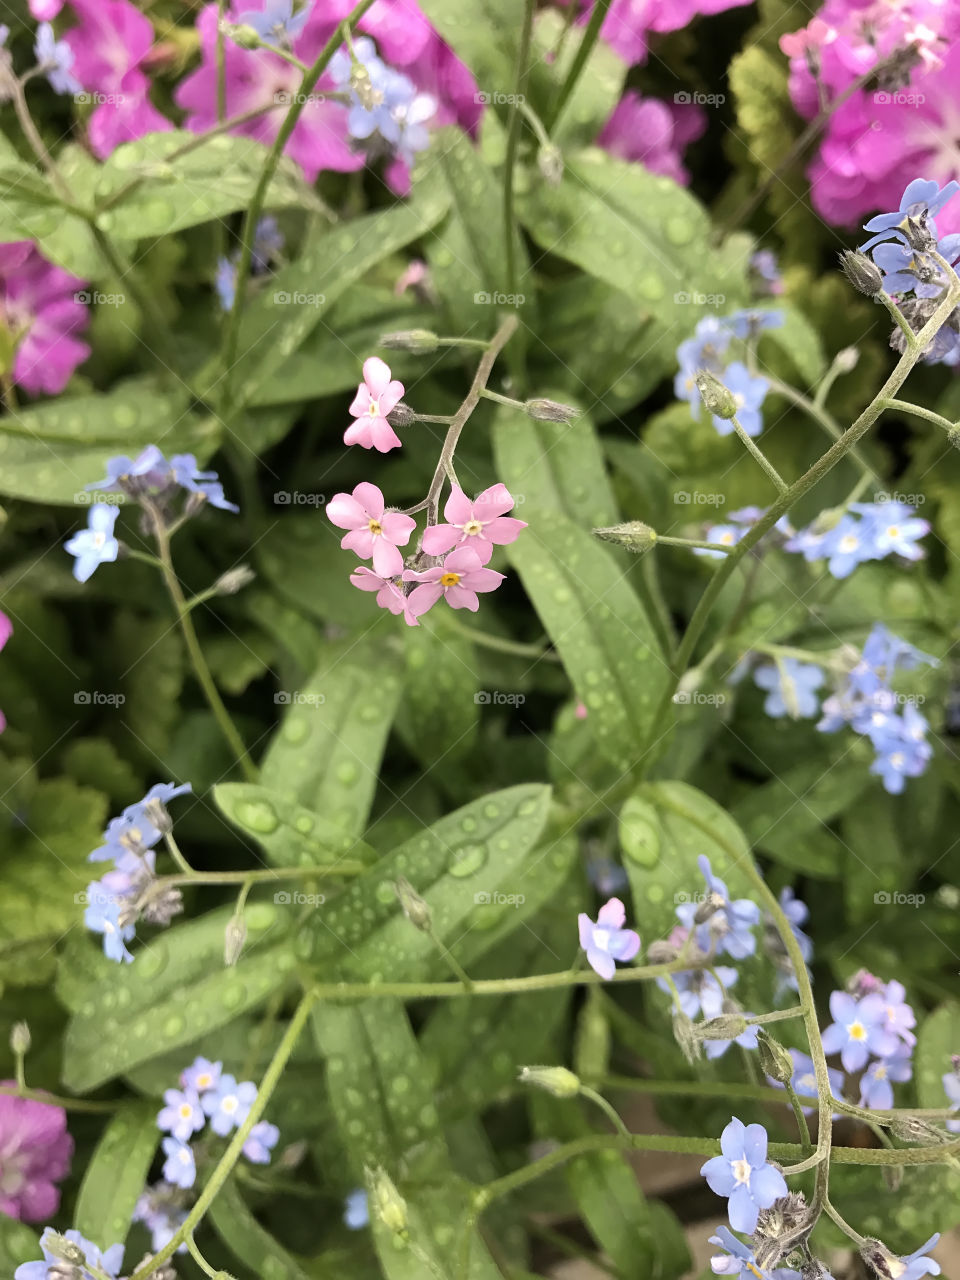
column 458, row 580
column 374, row 532
column 376, row 397
column 629, row 22
column 654, row 133
column 607, row 941
column 35, row 1151
column 40, row 306
column 480, row 524
column 110, row 45
column 45, row 10
column 389, row 591
column 6, row 631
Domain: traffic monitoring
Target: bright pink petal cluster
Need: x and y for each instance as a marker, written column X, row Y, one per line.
column 629, row 22
column 6, row 631
column 654, row 133
column 877, row 135
column 457, row 580
column 35, row 1151
column 374, row 532
column 40, row 307
column 479, row 525
column 377, row 396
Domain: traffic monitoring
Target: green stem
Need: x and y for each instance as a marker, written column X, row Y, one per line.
column 800, row 1117
column 759, row 457
column 510, row 231
column 233, row 1152
column 452, row 963
column 501, row 645
column 822, row 417
column 55, row 1100
column 221, row 62
column 608, row 1110
column 904, row 406
column 662, row 539
column 590, row 37
column 199, row 1259
column 499, row 399
column 174, row 850
column 899, row 319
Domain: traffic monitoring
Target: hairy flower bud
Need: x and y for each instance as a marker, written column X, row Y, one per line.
column 234, row 580
column 879, row 1258
column 662, row 952
column 160, row 909
column 554, row 1080
column 781, row 1229
column 953, row 437
column 165, row 1270
column 20, row 1039
column 862, row 272
column 388, row 1204
column 401, row 415
column 635, row 535
column 719, row 400
column 550, row 411
column 846, row 360
column 234, row 938
column 727, row 1027
column 921, row 1132
column 775, row 1060
column 241, row 34
column 420, row 341
column 414, row 907
column 550, row 164
column 63, row 1248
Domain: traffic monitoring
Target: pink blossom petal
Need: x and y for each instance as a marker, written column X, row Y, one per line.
column 361, row 401
column 384, row 437
column 612, row 914
column 460, row 596
column 504, row 529
column 495, row 501
column 6, row 629
column 364, row 579
column 423, row 598
column 397, row 527
column 440, row 538
column 346, row 512
column 387, row 560
column 371, row 499
column 376, row 374
column 391, row 597
column 464, row 560
column 479, row 543
column 362, row 542
column 433, row 574
column 458, row 508
column 482, row 579
column 390, row 397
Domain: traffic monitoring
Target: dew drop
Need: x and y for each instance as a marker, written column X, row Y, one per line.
column 173, row 1026
column 257, row 815
column 467, row 860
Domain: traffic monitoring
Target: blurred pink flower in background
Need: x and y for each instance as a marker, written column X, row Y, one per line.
column 626, row 26
column 41, row 310
column 653, row 132
column 35, row 1151
column 6, row 631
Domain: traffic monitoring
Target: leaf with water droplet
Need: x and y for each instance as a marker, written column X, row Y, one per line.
column 116, row 1173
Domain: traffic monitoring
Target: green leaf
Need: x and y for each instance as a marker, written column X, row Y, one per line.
column 29, row 208
column 664, row 828
column 875, row 865
column 554, row 466
column 938, row 1038
column 18, row 1244
column 640, row 233
column 327, row 752
column 600, row 628
column 457, row 865
column 250, row 1243
column 209, row 181
column 280, row 318
column 175, row 991
column 439, row 714
column 484, row 37
column 290, row 834
column 116, row 1174
column 597, row 90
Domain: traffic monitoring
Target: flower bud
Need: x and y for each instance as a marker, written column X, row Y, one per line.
column 685, row 1034
column 389, row 1205
column 362, row 85
column 862, row 272
column 775, row 1060
column 414, row 907
column 63, row 1248
column 879, row 1258
column 557, row 1081
column 20, row 1039
column 243, row 35
column 420, row 341
column 550, row 164
column 401, row 415
column 846, row 360
column 234, row 938
column 234, row 580
column 919, row 1131
column 662, row 952
column 727, row 1027
column 720, row 401
column 550, row 411
column 953, row 437
column 781, row 1229
column 635, row 535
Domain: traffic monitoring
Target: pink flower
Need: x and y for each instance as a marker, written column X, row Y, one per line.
column 376, row 397
column 45, row 10
column 627, row 23
column 458, row 579
column 653, row 132
column 808, row 41
column 6, row 631
column 389, row 591
column 39, row 306
column 110, row 44
column 480, row 524
column 374, row 532
column 35, row 1151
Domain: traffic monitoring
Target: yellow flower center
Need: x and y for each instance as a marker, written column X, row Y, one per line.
column 449, row 579
column 849, row 542
column 204, row 1081
column 473, row 527
column 893, row 531
column 186, row 1110
column 741, row 1170
column 375, row 526
column 99, row 539
column 229, row 1104
column 373, row 409
column 881, row 1072
column 858, row 1031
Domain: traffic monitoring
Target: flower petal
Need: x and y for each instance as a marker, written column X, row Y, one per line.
column 376, row 374
column 612, row 914
column 370, row 498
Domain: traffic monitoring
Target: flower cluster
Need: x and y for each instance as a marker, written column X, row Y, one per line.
column 42, row 315
column 71, row 1254
column 36, row 1150
column 872, row 1029
column 206, row 1093
column 385, row 109
column 863, row 531
column 708, row 351
column 131, row 891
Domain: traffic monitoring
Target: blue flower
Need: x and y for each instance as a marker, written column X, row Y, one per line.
column 277, row 23
column 900, row 1017
column 102, row 915
column 137, row 828
column 225, row 282
column 96, row 544
column 705, row 350
column 902, row 750
column 740, row 1261
column 607, row 941
column 719, row 921
column 201, row 1075
column 55, row 58
column 766, row 272
column 148, row 470
column 183, row 1115
column 403, row 117
column 356, row 1212
column 606, row 876
column 921, row 201
column 267, row 240
column 161, row 1215
column 263, row 1138
column 892, row 528
column 858, row 1029
column 700, row 990
column 750, row 322
column 911, row 1267
column 951, row 1085
column 109, row 1261
column 185, row 471
column 727, row 535
column 743, row 1175
column 791, row 687
column 797, row 914
column 228, row 1104
column 179, row 1167
column 749, row 393
column 876, row 1083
